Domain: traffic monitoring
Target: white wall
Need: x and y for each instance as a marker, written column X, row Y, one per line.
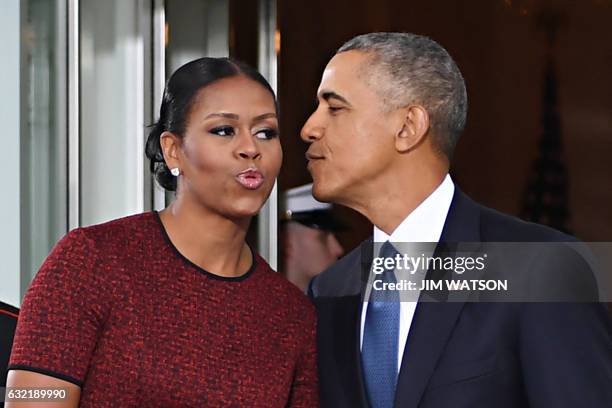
column 10, row 117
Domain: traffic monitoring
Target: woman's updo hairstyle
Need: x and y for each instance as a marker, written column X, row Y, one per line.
column 179, row 95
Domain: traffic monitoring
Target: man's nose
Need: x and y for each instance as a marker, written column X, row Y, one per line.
column 313, row 128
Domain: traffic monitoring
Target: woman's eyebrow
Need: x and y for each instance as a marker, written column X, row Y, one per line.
column 236, row 117
column 264, row 116
column 223, row 115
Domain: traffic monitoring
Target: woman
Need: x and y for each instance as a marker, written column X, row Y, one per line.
column 174, row 309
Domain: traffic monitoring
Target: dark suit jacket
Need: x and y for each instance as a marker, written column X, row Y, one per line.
column 8, row 323
column 468, row 354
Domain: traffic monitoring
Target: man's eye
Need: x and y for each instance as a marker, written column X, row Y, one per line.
column 223, row 131
column 334, row 109
column 266, row 134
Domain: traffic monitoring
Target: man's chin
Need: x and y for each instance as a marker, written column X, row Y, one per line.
column 323, row 192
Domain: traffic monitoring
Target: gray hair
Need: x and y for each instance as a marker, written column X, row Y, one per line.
column 416, row 69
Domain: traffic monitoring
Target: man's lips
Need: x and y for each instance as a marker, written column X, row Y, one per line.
column 250, row 179
column 314, row 156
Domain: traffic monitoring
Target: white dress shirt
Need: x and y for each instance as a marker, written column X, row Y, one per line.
column 424, row 224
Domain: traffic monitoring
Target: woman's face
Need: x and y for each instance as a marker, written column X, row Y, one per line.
column 230, row 154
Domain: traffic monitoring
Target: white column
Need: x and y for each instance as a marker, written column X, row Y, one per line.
column 10, row 165
column 159, row 81
column 73, row 109
column 268, row 216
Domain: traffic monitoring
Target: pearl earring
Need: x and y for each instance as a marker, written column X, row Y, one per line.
column 175, row 171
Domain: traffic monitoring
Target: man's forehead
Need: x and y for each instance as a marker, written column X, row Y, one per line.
column 342, row 70
column 344, row 63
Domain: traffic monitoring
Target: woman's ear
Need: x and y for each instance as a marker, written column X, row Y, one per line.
column 415, row 126
column 170, row 145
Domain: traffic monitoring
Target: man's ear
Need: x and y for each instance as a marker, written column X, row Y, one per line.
column 170, row 145
column 415, row 126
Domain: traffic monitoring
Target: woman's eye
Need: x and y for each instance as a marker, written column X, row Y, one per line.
column 223, row 131
column 266, row 134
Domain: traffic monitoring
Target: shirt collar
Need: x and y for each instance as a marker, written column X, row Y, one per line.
column 424, row 223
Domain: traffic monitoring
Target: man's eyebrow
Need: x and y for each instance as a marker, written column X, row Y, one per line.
column 327, row 95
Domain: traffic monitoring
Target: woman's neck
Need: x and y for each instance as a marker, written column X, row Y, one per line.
column 209, row 240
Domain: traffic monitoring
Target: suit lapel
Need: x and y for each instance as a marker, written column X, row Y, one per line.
column 347, row 329
column 367, row 248
column 346, row 312
column 433, row 322
column 363, row 398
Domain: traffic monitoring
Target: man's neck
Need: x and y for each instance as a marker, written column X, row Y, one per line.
column 391, row 204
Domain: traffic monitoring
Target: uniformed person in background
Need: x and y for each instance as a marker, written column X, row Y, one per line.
column 308, row 243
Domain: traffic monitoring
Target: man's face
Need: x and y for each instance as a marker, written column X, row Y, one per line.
column 350, row 134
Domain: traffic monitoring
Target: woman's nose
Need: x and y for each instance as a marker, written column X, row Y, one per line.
column 248, row 148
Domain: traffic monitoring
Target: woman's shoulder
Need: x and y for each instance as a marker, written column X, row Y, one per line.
column 135, row 223
column 290, row 295
column 106, row 244
column 120, row 233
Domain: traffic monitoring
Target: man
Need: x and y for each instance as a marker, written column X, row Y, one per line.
column 391, row 109
column 309, row 245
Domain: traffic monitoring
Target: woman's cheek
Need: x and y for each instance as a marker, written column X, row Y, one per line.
column 276, row 158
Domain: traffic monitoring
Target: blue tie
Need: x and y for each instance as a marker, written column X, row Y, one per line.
column 380, row 338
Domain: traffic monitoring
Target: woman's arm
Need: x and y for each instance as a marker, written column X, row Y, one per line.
column 305, row 387
column 19, row 379
column 60, row 320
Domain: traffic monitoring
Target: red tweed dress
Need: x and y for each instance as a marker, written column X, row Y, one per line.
column 117, row 310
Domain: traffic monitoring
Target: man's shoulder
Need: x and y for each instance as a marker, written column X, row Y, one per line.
column 346, row 275
column 496, row 226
